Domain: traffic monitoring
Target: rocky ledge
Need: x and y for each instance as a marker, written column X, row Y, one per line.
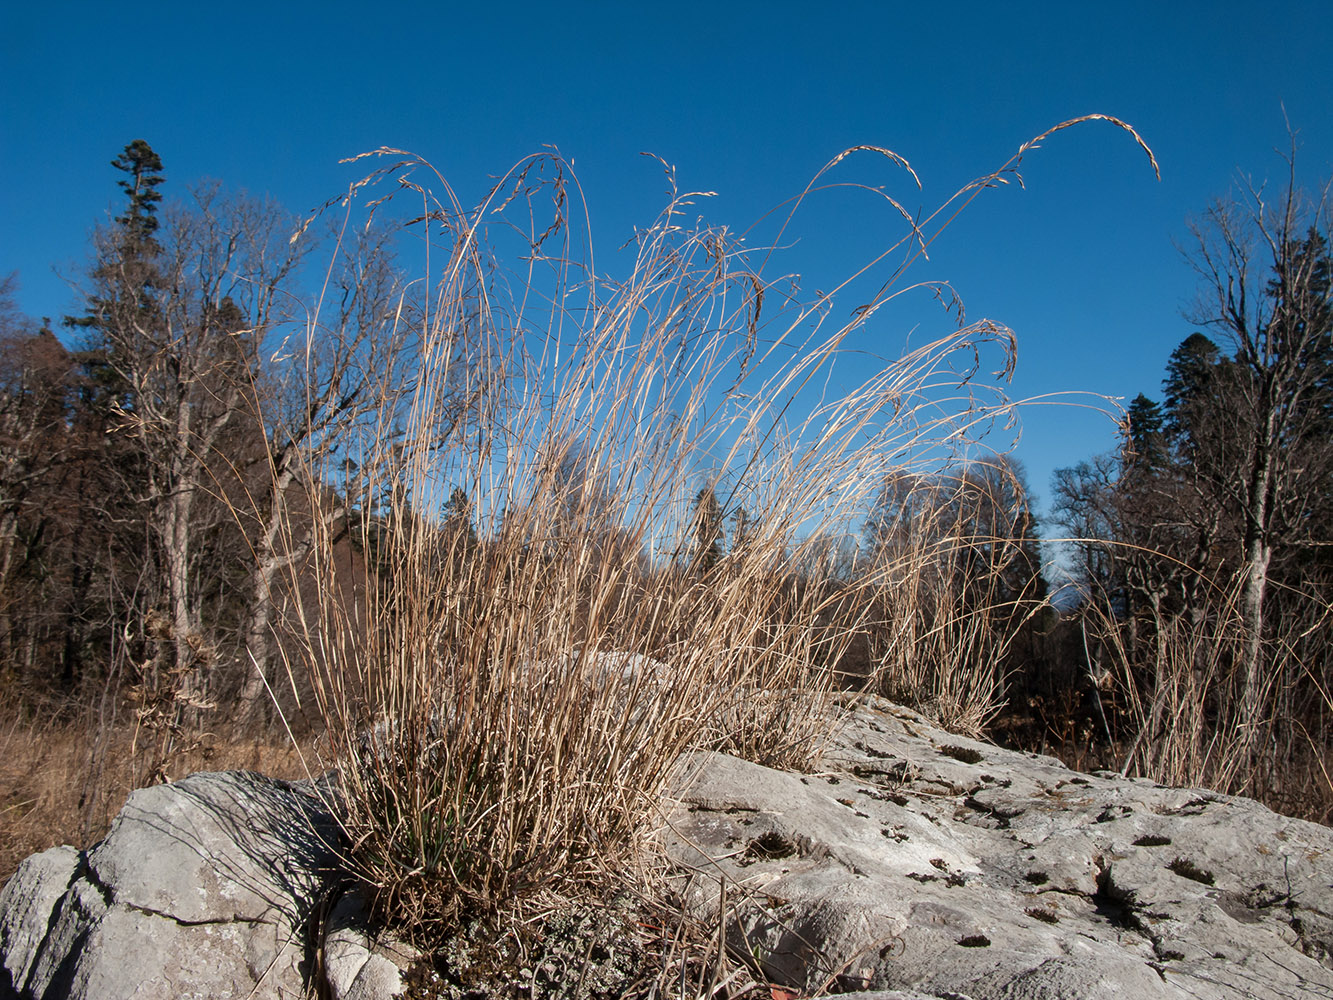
column 915, row 864
column 921, row 861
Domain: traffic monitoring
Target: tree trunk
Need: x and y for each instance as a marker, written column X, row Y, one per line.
column 253, row 700
column 1258, row 555
column 176, row 550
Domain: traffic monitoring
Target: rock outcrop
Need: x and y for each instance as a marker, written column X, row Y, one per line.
column 920, row 861
column 913, row 865
column 202, row 888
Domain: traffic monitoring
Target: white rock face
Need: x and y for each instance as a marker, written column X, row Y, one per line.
column 202, row 888
column 915, row 864
column 923, row 862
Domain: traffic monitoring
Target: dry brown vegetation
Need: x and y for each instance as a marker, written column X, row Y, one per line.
column 64, row 774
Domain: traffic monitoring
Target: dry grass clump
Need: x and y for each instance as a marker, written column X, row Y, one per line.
column 600, row 523
column 1184, row 734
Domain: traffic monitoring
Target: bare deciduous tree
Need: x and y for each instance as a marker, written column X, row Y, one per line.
column 178, row 313
column 316, row 386
column 1264, row 267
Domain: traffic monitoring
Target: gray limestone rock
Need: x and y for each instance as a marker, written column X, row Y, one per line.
column 202, row 888
column 360, row 964
column 915, row 865
column 923, row 862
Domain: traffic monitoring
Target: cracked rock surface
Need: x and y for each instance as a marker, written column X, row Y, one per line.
column 202, row 888
column 922, row 862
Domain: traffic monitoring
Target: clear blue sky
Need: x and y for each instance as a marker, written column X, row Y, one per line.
column 747, row 99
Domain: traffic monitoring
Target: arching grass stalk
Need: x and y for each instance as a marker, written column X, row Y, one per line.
column 526, row 605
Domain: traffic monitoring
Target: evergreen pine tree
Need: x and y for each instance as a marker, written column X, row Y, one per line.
column 1190, row 380
column 139, row 222
column 1145, row 426
column 125, row 276
column 457, row 517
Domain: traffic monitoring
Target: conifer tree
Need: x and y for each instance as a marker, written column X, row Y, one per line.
column 1191, row 383
column 1145, row 429
column 139, row 223
column 456, row 516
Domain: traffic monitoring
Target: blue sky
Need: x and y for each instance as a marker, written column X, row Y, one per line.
column 748, row 100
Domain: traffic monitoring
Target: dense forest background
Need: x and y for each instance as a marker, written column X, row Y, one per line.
column 181, row 462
